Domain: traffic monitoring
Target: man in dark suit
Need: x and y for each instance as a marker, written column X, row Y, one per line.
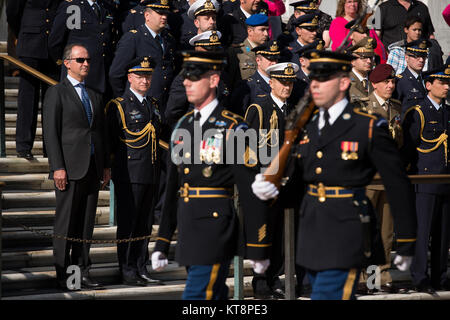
column 338, row 153
column 74, row 133
column 410, row 86
column 135, row 168
column 236, row 19
column 95, row 30
column 426, row 128
column 31, row 22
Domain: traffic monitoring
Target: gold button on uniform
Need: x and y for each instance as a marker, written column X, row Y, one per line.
column 215, row 215
column 319, row 154
column 186, row 170
column 318, row 170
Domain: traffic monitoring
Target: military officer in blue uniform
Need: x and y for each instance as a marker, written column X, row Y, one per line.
column 94, row 32
column 303, row 72
column 31, row 22
column 426, row 127
column 337, row 155
column 306, row 29
column 200, row 188
column 410, row 86
column 267, row 115
column 134, row 18
column 134, row 124
column 266, row 55
column 151, row 39
column 177, row 104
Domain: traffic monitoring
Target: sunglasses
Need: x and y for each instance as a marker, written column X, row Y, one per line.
column 81, row 60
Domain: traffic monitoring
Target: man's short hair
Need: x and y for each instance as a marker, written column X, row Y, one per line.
column 67, row 53
column 411, row 20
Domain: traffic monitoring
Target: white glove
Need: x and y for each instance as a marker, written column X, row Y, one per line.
column 260, row 266
column 159, row 261
column 403, row 262
column 264, row 190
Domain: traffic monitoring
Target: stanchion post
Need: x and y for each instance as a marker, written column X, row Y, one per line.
column 112, row 204
column 289, row 256
column 238, row 261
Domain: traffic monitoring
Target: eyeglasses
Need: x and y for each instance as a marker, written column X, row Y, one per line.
column 81, row 60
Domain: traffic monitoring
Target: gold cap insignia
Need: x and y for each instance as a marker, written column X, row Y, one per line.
column 208, row 5
column 312, row 4
column 315, row 20
column 320, row 45
column 423, row 45
column 274, row 47
column 214, row 37
column 369, row 43
column 289, row 70
column 315, row 55
column 447, row 71
column 145, row 63
column 164, row 2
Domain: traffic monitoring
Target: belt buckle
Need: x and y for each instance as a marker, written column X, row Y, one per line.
column 321, row 192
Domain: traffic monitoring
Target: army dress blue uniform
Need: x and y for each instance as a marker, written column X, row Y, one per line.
column 31, row 22
column 426, row 149
column 332, row 166
column 95, row 33
column 135, row 172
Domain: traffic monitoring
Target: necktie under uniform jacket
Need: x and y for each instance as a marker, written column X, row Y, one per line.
column 198, row 198
column 330, row 234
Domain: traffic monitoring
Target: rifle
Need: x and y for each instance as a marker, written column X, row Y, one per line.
column 298, row 118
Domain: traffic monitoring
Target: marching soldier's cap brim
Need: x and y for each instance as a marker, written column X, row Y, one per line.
column 196, row 63
column 325, row 64
column 203, row 7
column 382, row 72
column 141, row 65
column 285, row 71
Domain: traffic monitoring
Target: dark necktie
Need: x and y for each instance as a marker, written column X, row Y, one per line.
column 197, row 116
column 364, row 83
column 85, row 102
column 159, row 39
column 326, row 127
column 284, row 109
column 96, row 10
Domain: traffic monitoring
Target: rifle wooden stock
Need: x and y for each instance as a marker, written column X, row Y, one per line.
column 275, row 171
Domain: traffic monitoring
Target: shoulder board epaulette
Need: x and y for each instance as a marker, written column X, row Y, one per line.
column 238, row 45
column 361, row 112
column 133, row 31
column 363, row 99
column 232, row 116
column 249, row 79
column 261, row 95
column 316, row 111
column 396, row 101
column 133, row 11
column 119, row 99
column 416, row 107
column 116, row 101
column 399, row 76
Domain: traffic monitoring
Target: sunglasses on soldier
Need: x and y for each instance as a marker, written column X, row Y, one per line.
column 81, row 60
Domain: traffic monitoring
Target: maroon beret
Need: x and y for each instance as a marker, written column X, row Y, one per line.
column 382, row 72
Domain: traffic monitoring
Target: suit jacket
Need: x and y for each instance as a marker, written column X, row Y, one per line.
column 236, row 22
column 330, row 235
column 31, row 22
column 67, row 133
column 409, row 90
column 357, row 90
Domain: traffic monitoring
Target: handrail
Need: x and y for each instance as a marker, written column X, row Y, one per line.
column 28, row 69
column 417, row 179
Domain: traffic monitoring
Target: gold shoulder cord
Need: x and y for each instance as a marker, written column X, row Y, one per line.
column 264, row 138
column 148, row 130
column 442, row 139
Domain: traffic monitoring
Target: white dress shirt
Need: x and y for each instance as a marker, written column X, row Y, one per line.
column 334, row 111
column 436, row 105
column 277, row 101
column 139, row 96
column 206, row 111
column 266, row 79
column 77, row 88
column 154, row 34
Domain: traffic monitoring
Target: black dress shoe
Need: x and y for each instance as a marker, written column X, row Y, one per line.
column 425, row 288
column 146, row 277
column 278, row 293
column 133, row 281
column 89, row 283
column 389, row 287
column 25, row 154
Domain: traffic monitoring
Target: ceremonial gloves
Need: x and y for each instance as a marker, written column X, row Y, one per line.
column 159, row 261
column 264, row 190
column 403, row 262
column 260, row 266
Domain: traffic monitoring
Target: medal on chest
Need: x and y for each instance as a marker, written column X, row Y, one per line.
column 349, row 150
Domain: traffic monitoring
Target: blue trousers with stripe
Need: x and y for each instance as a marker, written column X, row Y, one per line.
column 334, row 284
column 207, row 282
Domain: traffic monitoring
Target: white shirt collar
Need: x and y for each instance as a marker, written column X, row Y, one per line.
column 334, row 112
column 206, row 111
column 246, row 14
column 415, row 74
column 74, row 81
column 92, row 2
column 277, row 101
column 153, row 33
column 437, row 106
column 380, row 100
column 360, row 77
column 301, row 44
column 266, row 79
column 140, row 97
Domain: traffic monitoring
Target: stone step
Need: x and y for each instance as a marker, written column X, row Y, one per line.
column 10, row 133
column 10, row 120
column 11, row 148
column 11, row 94
column 12, row 164
column 29, row 181
column 40, row 199
column 12, row 82
column 44, row 217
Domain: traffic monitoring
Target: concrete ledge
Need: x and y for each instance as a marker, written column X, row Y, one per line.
column 12, row 164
